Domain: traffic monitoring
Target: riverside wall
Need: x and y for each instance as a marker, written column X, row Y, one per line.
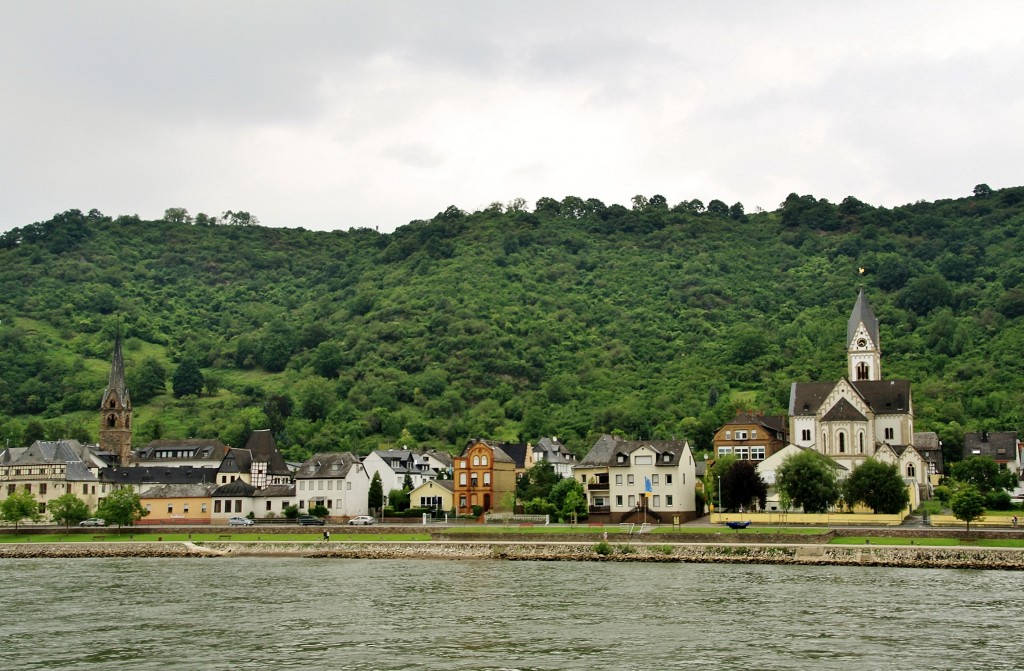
column 831, row 555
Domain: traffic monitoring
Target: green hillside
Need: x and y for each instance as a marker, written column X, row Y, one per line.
column 572, row 319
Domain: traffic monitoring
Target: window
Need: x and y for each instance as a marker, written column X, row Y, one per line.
column 683, row 476
column 741, row 435
column 348, row 485
column 632, row 501
column 487, row 478
column 863, row 373
column 483, row 460
column 462, row 479
column 268, row 506
column 238, row 505
column 618, row 479
column 805, row 435
column 724, row 451
column 85, row 490
column 186, row 508
column 728, row 435
column 618, row 500
column 320, row 484
column 476, row 459
column 203, row 508
column 753, row 433
column 668, row 478
column 170, row 508
column 911, row 471
column 462, row 501
column 668, row 500
column 743, row 453
column 621, row 459
column 28, row 488
column 757, row 453
column 890, row 433
column 643, row 460
column 599, row 501
column 842, row 442
column 149, row 508
column 216, row 506
column 629, row 479
column 654, row 479
column 330, row 484
column 473, row 480
column 657, row 501
column 42, row 488
column 462, row 464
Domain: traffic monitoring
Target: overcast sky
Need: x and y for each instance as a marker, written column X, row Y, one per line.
column 332, row 115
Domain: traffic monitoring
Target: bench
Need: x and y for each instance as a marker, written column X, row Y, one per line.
column 99, row 538
column 224, row 537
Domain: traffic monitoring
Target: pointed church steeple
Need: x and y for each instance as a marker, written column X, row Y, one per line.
column 863, row 346
column 116, row 409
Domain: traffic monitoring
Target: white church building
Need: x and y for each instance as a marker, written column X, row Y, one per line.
column 862, row 415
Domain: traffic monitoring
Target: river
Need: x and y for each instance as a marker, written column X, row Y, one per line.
column 287, row 613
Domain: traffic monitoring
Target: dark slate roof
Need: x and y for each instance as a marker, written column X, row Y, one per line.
column 928, row 446
column 843, row 411
column 328, row 465
column 444, row 457
column 276, row 490
column 260, row 447
column 165, row 475
column 500, row 453
column 179, row 491
column 554, row 451
column 862, row 312
column 238, row 487
column 1000, row 445
column 516, row 451
column 68, row 452
column 201, row 448
column 882, row 396
column 607, row 448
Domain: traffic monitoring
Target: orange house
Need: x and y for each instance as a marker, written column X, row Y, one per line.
column 484, row 476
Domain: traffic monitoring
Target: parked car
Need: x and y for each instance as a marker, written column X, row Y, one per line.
column 93, row 522
column 362, row 519
column 310, row 520
column 240, row 521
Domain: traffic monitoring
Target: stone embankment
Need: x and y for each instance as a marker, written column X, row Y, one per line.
column 832, row 555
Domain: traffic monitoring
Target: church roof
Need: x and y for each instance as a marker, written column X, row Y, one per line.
column 862, row 312
column 844, row 411
column 882, row 396
column 116, row 382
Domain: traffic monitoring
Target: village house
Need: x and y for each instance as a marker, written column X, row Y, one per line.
column 49, row 469
column 394, row 466
column 751, row 436
column 1002, row 446
column 336, row 480
column 639, row 481
column 177, row 504
column 437, row 495
column 555, row 453
column 484, row 477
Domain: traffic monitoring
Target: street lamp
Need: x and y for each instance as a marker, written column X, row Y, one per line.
column 719, row 498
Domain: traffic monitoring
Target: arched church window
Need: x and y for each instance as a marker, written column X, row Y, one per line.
column 860, row 442
column 111, row 422
column 824, row 441
column 911, row 471
column 862, row 371
column 113, row 403
column 842, row 442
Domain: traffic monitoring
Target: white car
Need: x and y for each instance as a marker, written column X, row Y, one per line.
column 240, row 522
column 362, row 519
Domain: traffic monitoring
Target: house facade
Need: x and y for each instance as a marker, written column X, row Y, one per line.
column 1002, row 446
column 259, row 463
column 434, row 494
column 394, row 466
column 484, row 476
column 639, row 481
column 751, row 436
column 177, row 504
column 50, row 469
column 555, row 453
column 336, row 480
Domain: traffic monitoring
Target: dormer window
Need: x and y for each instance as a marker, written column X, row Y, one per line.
column 728, row 435
column 621, row 459
column 667, row 457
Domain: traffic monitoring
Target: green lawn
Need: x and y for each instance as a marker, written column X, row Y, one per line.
column 952, row 542
column 613, row 529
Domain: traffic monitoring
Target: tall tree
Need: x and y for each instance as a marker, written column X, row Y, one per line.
column 68, row 509
column 983, row 473
column 122, row 507
column 188, row 379
column 743, row 486
column 878, row 486
column 967, row 504
column 375, row 497
column 809, row 481
column 18, row 506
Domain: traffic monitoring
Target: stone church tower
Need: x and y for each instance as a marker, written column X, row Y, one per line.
column 863, row 349
column 116, row 411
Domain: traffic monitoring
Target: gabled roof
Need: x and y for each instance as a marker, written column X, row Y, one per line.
column 448, row 485
column 844, row 411
column 554, row 451
column 263, row 448
column 500, row 451
column 515, row 451
column 276, row 490
column 237, row 487
column 328, row 465
column 201, row 448
column 930, row 448
column 862, row 312
column 882, row 396
column 68, row 452
column 607, row 448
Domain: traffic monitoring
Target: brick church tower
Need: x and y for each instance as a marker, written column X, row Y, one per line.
column 116, row 411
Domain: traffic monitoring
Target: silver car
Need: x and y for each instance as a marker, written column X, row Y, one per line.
column 362, row 519
column 240, row 522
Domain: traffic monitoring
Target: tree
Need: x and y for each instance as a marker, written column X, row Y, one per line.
column 537, row 482
column 375, row 497
column 717, row 470
column 398, row 499
column 982, row 190
column 407, row 483
column 188, row 379
column 20, row 505
column 983, row 473
column 718, row 207
column 122, row 507
column 809, row 480
column 319, row 510
column 742, row 485
column 878, row 486
column 149, row 379
column 68, row 509
column 968, row 504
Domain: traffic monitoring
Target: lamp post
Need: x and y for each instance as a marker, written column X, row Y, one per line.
column 719, row 498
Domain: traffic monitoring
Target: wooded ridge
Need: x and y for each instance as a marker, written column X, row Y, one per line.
column 573, row 318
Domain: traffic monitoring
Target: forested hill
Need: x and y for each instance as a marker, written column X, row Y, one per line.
column 570, row 318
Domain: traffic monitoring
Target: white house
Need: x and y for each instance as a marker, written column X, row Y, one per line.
column 336, row 480
column 395, row 465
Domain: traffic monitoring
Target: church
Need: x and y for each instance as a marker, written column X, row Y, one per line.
column 862, row 415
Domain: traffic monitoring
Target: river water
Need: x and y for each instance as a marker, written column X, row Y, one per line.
column 289, row 613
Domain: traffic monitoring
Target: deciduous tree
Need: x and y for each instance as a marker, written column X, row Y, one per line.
column 18, row 506
column 743, row 486
column 809, row 480
column 122, row 507
column 967, row 504
column 878, row 486
column 68, row 509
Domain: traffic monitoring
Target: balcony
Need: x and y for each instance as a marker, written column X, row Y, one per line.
column 599, row 510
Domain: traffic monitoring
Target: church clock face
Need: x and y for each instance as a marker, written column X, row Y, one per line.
column 862, row 343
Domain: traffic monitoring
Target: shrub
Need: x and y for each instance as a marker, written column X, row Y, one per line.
column 603, row 549
column 998, row 499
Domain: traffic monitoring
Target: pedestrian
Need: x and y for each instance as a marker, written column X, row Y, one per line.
column 327, row 535
column 1014, row 521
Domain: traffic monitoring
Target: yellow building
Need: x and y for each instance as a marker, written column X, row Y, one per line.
column 433, row 494
column 177, row 504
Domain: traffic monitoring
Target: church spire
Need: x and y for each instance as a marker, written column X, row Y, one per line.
column 863, row 345
column 116, row 409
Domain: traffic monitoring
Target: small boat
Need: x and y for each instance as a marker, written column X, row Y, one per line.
column 738, row 525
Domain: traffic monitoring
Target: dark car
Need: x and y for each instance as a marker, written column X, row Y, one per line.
column 310, row 521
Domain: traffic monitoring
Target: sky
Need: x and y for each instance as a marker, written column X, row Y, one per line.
column 337, row 115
